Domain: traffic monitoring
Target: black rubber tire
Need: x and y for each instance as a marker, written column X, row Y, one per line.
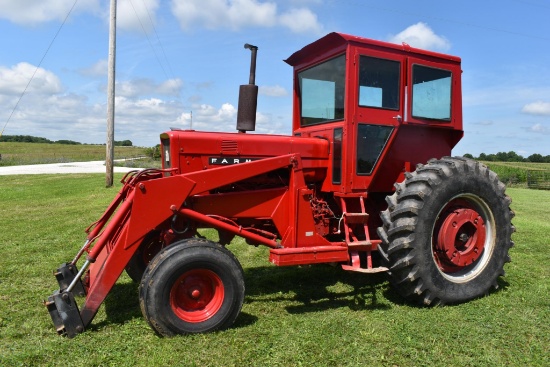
column 417, row 213
column 148, row 248
column 183, row 260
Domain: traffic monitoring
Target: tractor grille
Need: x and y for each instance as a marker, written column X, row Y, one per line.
column 230, row 147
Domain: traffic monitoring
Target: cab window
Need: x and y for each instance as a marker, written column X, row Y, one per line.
column 431, row 93
column 378, row 83
column 371, row 140
column 322, row 92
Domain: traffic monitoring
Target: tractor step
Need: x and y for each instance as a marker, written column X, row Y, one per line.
column 360, row 244
column 379, row 269
column 308, row 255
column 356, row 218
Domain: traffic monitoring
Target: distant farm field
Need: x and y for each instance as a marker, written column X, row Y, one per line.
column 519, row 173
column 310, row 316
column 13, row 154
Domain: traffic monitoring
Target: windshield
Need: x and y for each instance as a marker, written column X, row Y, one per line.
column 322, row 92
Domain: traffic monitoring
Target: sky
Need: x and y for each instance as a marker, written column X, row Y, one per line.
column 179, row 63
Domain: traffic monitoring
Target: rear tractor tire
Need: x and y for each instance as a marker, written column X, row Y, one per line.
column 446, row 232
column 192, row 286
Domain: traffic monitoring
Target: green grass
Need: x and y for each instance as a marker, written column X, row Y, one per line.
column 38, row 153
column 310, row 316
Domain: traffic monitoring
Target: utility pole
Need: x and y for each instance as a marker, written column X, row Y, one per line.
column 109, row 157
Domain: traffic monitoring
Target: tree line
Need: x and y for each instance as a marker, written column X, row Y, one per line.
column 34, row 139
column 510, row 157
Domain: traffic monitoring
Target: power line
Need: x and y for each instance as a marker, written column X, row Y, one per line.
column 148, row 39
column 158, row 39
column 159, row 43
column 38, row 66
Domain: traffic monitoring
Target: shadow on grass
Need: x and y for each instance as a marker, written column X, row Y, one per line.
column 314, row 288
column 121, row 305
column 310, row 288
column 395, row 298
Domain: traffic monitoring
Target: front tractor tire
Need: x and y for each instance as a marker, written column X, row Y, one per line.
column 192, row 286
column 447, row 232
column 149, row 247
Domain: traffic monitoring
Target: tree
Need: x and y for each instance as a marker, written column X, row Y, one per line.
column 513, row 157
column 536, row 158
column 67, row 142
column 153, row 152
column 123, row 143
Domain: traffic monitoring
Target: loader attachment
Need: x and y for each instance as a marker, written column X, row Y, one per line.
column 140, row 207
column 108, row 249
column 64, row 313
column 61, row 304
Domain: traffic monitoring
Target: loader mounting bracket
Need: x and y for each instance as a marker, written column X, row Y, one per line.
column 65, row 314
column 65, row 275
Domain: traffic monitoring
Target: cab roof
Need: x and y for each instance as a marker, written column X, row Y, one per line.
column 334, row 41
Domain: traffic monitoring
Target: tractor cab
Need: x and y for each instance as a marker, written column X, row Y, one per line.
column 383, row 107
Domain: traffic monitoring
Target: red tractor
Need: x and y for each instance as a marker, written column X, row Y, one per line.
column 359, row 183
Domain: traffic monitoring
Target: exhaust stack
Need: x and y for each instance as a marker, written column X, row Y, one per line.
column 248, row 97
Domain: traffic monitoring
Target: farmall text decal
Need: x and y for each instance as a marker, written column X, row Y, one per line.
column 229, row 160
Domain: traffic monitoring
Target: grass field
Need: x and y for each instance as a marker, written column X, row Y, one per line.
column 37, row 153
column 309, row 316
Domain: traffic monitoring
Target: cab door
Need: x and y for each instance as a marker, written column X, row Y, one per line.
column 379, row 85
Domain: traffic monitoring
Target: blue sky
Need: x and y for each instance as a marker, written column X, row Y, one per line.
column 177, row 58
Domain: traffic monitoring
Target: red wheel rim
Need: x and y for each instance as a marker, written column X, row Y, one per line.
column 460, row 237
column 197, row 295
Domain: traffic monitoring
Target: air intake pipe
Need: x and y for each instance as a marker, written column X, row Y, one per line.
column 248, row 97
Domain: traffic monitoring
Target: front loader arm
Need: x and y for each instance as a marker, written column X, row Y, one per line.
column 143, row 204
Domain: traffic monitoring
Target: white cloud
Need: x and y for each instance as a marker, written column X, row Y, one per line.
column 537, row 108
column 47, row 111
column 30, row 12
column 214, row 14
column 99, row 69
column 484, row 123
column 420, row 35
column 170, row 87
column 300, row 21
column 273, row 91
column 143, row 86
column 139, row 16
column 208, row 117
column 539, row 129
column 238, row 14
column 14, row 80
column 141, row 120
column 302, row 2
column 131, row 15
column 136, row 15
